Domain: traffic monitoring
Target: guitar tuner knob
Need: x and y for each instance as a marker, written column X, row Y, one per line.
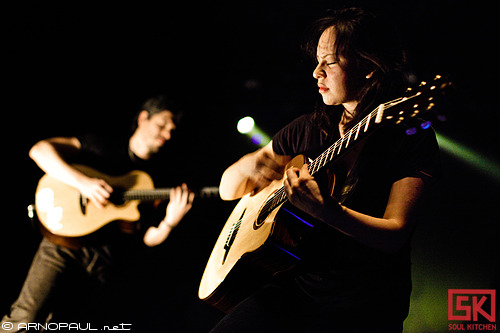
column 425, row 125
column 411, row 131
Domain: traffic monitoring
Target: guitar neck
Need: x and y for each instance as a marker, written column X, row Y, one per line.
column 416, row 102
column 350, row 139
column 164, row 194
column 346, row 142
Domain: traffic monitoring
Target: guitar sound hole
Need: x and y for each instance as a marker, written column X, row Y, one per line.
column 261, row 218
column 117, row 198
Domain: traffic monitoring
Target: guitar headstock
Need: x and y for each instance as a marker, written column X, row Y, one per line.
column 416, row 102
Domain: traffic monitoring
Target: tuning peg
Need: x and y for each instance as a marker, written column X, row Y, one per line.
column 425, row 125
column 423, row 83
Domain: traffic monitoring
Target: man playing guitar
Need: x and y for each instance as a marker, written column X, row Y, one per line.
column 50, row 277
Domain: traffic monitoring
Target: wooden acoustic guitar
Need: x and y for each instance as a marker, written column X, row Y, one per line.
column 264, row 233
column 63, row 211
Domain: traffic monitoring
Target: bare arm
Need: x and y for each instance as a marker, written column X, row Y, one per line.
column 51, row 156
column 388, row 233
column 252, row 173
column 181, row 201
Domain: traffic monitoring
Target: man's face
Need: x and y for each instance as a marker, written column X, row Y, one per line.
column 155, row 130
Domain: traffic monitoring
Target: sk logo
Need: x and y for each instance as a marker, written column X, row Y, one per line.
column 472, row 305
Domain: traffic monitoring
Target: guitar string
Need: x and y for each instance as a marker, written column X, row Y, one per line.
column 279, row 197
column 163, row 193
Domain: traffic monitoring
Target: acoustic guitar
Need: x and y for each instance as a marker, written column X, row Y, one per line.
column 63, row 211
column 264, row 233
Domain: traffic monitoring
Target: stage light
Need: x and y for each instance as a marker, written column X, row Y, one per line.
column 257, row 139
column 245, row 125
column 469, row 156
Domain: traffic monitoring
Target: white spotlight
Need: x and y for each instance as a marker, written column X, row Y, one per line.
column 245, row 125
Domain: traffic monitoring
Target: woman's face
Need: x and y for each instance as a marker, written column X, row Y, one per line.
column 331, row 77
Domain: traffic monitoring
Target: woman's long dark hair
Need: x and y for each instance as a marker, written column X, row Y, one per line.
column 364, row 44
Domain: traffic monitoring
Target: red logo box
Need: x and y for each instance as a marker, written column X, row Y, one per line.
column 467, row 304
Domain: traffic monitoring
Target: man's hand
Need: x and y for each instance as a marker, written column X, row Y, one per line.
column 181, row 201
column 96, row 190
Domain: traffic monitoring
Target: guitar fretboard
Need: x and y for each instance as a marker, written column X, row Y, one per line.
column 164, row 193
column 410, row 106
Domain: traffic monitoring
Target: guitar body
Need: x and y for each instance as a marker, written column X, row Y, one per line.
column 265, row 234
column 252, row 247
column 63, row 211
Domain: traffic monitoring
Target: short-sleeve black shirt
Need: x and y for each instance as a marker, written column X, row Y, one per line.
column 340, row 268
column 110, row 154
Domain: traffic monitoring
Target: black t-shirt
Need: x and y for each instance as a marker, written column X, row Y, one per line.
column 110, row 154
column 340, row 269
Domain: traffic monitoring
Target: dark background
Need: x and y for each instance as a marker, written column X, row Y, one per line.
column 79, row 67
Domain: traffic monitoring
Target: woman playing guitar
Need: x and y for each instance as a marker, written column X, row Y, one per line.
column 356, row 276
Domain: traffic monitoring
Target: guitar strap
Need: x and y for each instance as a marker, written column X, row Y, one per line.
column 350, row 174
column 349, row 184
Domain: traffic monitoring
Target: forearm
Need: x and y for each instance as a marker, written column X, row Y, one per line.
column 385, row 234
column 181, row 201
column 233, row 184
column 46, row 155
column 252, row 173
column 156, row 235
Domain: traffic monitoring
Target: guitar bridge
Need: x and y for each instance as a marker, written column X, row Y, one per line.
column 83, row 204
column 232, row 236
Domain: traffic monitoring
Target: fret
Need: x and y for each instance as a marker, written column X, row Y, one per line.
column 164, row 193
column 357, row 131
column 367, row 122
column 380, row 113
column 340, row 145
column 146, row 194
column 318, row 165
column 331, row 153
column 322, row 159
column 348, row 138
column 334, row 149
column 312, row 166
